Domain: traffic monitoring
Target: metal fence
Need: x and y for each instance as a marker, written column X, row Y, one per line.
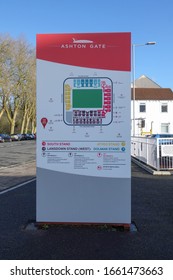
column 155, row 152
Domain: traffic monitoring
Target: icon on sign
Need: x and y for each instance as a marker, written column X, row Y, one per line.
column 99, row 167
column 99, row 154
column 44, row 122
column 43, row 143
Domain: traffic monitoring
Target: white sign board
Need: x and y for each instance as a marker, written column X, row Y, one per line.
column 167, row 150
column 83, row 128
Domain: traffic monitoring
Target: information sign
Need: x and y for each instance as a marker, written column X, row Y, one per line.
column 83, row 128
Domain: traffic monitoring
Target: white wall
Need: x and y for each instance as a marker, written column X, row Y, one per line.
column 153, row 116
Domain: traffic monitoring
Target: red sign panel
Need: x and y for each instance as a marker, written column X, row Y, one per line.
column 109, row 51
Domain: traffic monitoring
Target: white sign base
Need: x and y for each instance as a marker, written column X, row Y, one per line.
column 82, row 199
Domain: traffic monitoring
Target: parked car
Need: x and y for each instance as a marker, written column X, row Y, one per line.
column 27, row 136
column 16, row 137
column 5, row 138
column 32, row 136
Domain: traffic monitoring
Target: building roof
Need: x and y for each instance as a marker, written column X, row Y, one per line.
column 145, row 82
column 152, row 94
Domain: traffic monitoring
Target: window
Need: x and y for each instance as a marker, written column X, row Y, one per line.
column 164, row 127
column 142, row 108
column 142, row 123
column 164, row 107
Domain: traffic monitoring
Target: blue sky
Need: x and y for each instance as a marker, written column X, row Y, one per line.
column 147, row 20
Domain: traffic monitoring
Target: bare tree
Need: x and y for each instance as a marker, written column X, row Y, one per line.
column 17, row 81
column 19, row 72
column 29, row 98
column 5, row 52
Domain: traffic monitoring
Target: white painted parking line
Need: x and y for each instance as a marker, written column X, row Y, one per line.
column 18, row 186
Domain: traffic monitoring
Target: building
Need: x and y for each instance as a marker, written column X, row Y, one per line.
column 153, row 107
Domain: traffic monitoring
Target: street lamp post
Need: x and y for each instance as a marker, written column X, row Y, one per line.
column 133, row 77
